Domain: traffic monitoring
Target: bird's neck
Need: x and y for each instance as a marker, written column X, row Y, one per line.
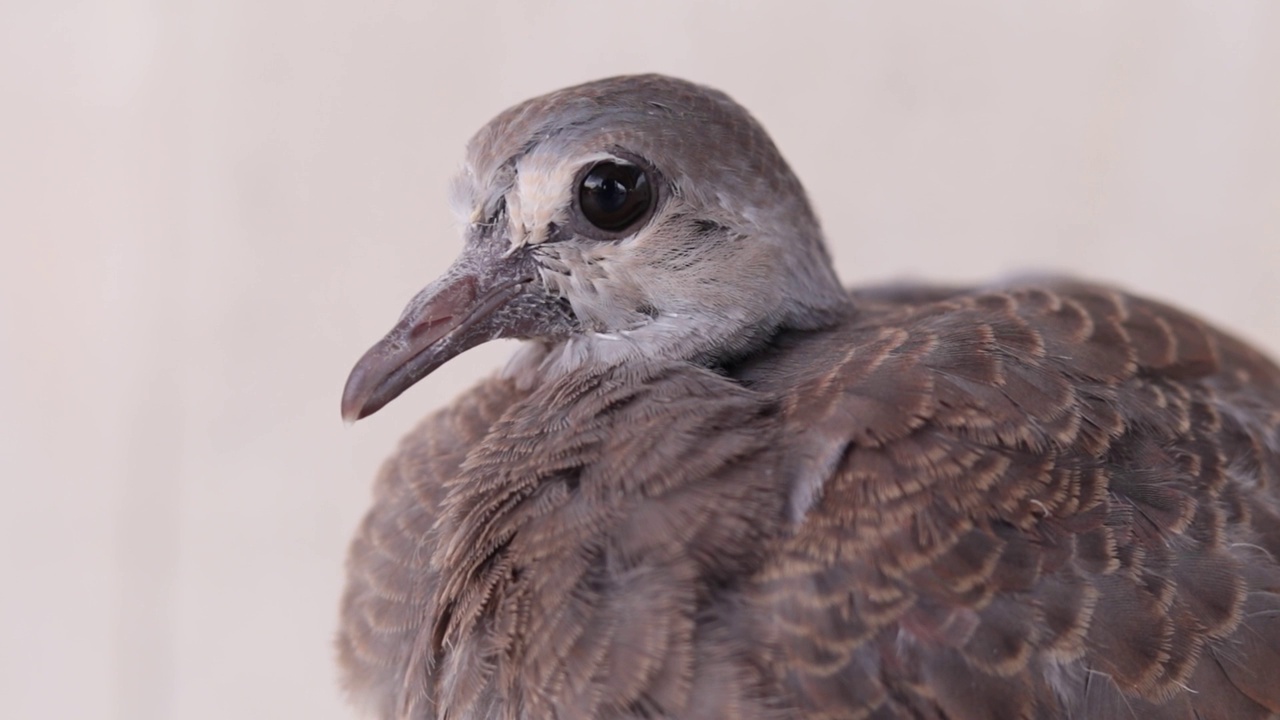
column 698, row 339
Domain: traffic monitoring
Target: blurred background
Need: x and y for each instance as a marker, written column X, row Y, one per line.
column 210, row 208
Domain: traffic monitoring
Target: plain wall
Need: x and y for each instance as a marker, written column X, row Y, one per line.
column 209, row 209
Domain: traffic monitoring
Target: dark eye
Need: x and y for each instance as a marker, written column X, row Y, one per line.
column 614, row 195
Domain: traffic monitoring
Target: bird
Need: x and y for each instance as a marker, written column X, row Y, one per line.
column 713, row 482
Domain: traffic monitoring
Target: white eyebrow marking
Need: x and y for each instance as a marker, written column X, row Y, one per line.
column 542, row 193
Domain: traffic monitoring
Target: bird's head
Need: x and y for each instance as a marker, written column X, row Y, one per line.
column 633, row 216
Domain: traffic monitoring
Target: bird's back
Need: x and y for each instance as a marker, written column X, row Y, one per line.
column 1053, row 501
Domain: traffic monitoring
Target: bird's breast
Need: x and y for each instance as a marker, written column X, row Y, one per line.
column 591, row 544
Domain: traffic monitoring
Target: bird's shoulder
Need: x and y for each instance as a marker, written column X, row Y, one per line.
column 1023, row 501
column 1061, row 366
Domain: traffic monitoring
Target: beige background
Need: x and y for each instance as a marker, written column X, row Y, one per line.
column 210, row 208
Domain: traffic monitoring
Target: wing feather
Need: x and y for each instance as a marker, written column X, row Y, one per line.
column 1048, row 501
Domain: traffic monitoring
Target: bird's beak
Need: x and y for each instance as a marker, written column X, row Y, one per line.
column 468, row 306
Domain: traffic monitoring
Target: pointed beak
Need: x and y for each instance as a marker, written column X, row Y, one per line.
column 469, row 305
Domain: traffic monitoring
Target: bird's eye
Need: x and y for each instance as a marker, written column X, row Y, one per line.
column 614, row 195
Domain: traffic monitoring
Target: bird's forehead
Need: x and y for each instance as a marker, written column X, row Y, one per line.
column 560, row 148
column 535, row 178
column 640, row 106
column 684, row 130
column 536, row 155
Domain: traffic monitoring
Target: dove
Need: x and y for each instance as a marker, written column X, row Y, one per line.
column 713, row 482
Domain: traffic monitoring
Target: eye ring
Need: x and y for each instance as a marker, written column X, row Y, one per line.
column 613, row 197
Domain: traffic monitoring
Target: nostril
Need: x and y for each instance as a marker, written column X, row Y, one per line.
column 429, row 324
